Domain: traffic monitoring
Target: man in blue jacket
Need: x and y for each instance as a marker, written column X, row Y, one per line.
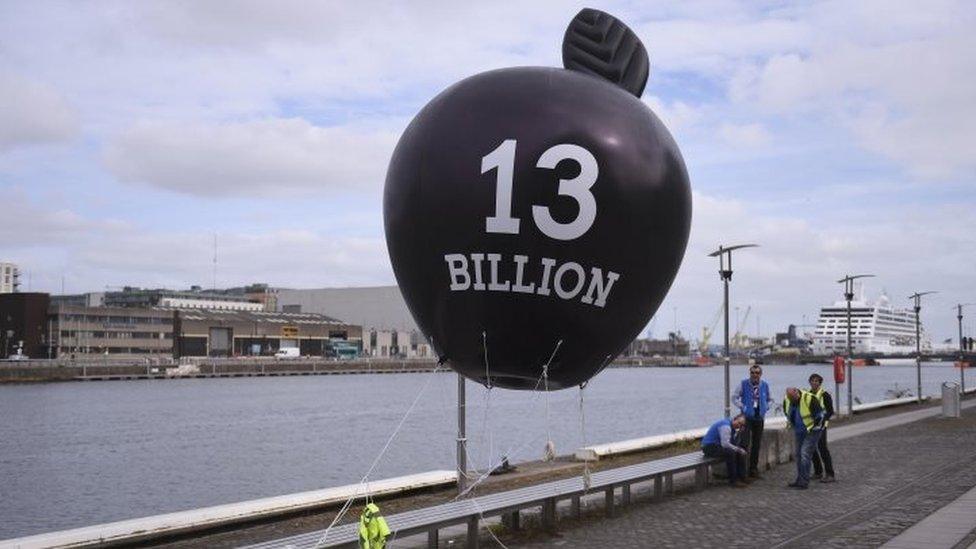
column 753, row 398
column 718, row 442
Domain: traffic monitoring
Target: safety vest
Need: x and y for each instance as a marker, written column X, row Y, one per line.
column 806, row 397
column 820, row 397
column 373, row 529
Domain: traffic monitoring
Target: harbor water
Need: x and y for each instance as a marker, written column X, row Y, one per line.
column 76, row 454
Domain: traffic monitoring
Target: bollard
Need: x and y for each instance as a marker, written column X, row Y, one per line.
column 951, row 406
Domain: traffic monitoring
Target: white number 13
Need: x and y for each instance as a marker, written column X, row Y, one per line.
column 502, row 159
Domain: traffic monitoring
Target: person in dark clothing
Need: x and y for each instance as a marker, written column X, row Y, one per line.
column 805, row 414
column 719, row 442
column 822, row 463
column 754, row 399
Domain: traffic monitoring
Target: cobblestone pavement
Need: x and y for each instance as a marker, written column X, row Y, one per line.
column 887, row 481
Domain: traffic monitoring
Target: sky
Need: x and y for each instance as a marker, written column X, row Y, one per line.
column 840, row 136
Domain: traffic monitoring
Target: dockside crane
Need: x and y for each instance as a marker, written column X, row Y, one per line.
column 707, row 331
column 739, row 339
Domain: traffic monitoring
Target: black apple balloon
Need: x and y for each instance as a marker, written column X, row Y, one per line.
column 537, row 216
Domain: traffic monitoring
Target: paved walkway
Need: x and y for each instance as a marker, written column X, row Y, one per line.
column 888, row 482
column 947, row 527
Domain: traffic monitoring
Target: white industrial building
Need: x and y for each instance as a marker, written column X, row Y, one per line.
column 9, row 278
column 195, row 298
column 388, row 327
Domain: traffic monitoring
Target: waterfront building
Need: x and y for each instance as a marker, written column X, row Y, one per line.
column 78, row 330
column 876, row 328
column 51, row 329
column 396, row 343
column 260, row 293
column 790, row 339
column 380, row 310
column 24, row 323
column 195, row 298
column 90, row 299
column 211, row 332
column 675, row 345
column 9, row 278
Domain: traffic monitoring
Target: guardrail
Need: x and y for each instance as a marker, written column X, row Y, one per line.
column 597, row 451
column 155, row 527
column 508, row 504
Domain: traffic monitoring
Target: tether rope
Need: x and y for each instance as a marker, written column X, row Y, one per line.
column 485, row 427
column 512, row 450
column 543, row 378
column 586, row 462
column 365, row 480
column 550, row 453
column 582, row 415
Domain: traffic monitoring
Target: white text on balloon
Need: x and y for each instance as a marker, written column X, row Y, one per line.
column 469, row 275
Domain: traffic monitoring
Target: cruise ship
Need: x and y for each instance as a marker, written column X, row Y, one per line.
column 876, row 328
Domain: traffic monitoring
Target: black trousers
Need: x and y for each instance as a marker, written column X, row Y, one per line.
column 754, row 433
column 734, row 463
column 821, row 458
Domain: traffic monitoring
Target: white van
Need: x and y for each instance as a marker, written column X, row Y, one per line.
column 288, row 352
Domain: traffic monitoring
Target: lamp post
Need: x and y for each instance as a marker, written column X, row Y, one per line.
column 917, row 297
column 849, row 296
column 962, row 348
column 724, row 255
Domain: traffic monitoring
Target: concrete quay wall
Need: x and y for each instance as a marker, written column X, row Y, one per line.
column 43, row 370
column 92, row 369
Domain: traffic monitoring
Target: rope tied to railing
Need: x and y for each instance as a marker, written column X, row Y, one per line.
column 550, row 451
column 365, row 480
column 512, row 450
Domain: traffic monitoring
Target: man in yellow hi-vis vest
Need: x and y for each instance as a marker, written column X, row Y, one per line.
column 823, row 464
column 373, row 530
column 805, row 414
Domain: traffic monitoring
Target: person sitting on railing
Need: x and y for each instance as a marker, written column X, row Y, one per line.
column 718, row 443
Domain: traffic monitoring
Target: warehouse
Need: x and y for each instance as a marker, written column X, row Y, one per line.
column 389, row 328
column 51, row 330
column 203, row 332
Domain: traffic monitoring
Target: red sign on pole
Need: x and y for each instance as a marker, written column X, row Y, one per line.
column 838, row 369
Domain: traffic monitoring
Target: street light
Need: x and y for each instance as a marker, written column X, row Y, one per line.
column 724, row 255
column 962, row 349
column 849, row 296
column 917, row 296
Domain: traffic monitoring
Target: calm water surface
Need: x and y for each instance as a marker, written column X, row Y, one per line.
column 76, row 454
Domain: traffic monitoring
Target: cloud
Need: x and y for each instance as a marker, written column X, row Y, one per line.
column 749, row 136
column 91, row 253
column 284, row 257
column 906, row 95
column 677, row 116
column 33, row 113
column 717, row 43
column 793, row 272
column 264, row 157
column 28, row 224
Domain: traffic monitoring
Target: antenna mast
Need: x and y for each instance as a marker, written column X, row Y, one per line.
column 215, row 263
